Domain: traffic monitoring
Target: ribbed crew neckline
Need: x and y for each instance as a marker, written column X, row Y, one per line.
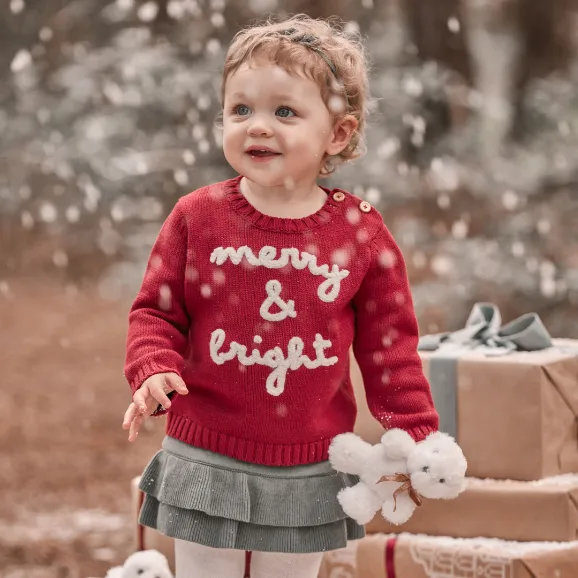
column 280, row 224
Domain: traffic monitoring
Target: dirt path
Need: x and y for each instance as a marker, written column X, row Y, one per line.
column 65, row 464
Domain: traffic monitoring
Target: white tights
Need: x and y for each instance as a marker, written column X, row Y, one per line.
column 196, row 561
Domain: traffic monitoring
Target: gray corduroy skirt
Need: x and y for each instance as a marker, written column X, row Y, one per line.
column 200, row 496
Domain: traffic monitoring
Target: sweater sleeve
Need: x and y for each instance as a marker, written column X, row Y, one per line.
column 158, row 320
column 385, row 344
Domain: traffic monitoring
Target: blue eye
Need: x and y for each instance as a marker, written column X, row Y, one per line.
column 284, row 112
column 242, row 110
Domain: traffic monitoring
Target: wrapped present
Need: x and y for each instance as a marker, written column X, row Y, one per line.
column 419, row 556
column 544, row 510
column 509, row 394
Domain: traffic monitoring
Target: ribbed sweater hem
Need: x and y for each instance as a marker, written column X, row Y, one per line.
column 256, row 452
column 296, row 454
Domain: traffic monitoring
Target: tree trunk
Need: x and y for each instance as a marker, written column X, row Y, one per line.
column 495, row 48
column 390, row 33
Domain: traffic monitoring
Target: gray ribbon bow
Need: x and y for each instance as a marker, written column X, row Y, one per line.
column 483, row 329
column 483, row 332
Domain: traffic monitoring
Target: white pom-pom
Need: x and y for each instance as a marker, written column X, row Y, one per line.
column 144, row 564
column 398, row 444
column 359, row 503
column 348, row 453
column 404, row 508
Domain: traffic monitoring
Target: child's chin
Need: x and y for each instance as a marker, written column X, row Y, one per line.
column 265, row 180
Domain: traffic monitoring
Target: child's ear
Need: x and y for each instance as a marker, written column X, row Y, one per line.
column 341, row 135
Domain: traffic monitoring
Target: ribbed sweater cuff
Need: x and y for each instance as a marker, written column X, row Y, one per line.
column 421, row 432
column 146, row 370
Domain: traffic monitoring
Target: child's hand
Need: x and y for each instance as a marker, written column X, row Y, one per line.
column 146, row 399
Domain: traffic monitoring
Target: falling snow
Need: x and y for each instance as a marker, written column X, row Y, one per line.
column 219, row 277
column 48, row 212
column 353, row 215
column 148, row 11
column 336, row 104
column 165, row 297
column 341, row 257
column 217, row 20
column 510, row 200
column 387, row 258
column 60, row 259
column 188, row 157
column 454, row 25
column 21, row 61
column 181, row 177
column 460, row 229
column 441, row 265
column 17, row 6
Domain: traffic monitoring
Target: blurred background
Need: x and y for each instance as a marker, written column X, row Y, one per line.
column 107, row 113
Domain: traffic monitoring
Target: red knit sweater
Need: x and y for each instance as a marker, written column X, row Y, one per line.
column 257, row 315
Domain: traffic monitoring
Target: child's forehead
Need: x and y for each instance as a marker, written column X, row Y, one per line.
column 265, row 66
column 276, row 80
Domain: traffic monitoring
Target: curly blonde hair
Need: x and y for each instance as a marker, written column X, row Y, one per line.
column 322, row 51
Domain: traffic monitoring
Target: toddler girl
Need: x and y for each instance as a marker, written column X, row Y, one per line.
column 255, row 290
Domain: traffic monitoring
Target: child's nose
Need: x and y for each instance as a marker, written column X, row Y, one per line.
column 259, row 126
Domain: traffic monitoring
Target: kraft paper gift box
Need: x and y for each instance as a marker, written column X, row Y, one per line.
column 419, row 556
column 508, row 394
column 545, row 510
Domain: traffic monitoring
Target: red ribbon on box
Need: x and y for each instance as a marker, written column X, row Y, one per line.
column 389, row 558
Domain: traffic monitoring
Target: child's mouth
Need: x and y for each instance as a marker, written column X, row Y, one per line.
column 262, row 154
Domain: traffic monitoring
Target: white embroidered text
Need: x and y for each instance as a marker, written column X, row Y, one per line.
column 273, row 358
column 273, row 289
column 327, row 291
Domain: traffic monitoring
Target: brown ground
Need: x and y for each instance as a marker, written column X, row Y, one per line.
column 65, row 462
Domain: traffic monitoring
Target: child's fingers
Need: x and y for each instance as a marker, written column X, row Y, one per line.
column 129, row 415
column 161, row 397
column 134, row 427
column 140, row 399
column 176, row 383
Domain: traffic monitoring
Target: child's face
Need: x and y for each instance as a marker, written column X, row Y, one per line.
column 277, row 129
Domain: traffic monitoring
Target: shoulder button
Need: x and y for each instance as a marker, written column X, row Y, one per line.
column 364, row 206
